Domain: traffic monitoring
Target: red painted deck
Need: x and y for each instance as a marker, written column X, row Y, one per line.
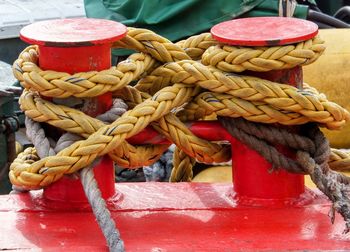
column 171, row 217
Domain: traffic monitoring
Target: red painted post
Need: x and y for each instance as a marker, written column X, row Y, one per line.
column 254, row 183
column 72, row 46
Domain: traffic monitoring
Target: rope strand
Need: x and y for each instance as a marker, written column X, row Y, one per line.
column 100, row 210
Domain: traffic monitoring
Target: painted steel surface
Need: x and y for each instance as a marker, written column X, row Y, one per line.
column 78, row 45
column 264, row 31
column 171, row 217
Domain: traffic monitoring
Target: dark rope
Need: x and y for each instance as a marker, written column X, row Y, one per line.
column 312, row 155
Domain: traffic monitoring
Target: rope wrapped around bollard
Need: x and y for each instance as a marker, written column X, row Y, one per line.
column 167, row 95
column 311, row 157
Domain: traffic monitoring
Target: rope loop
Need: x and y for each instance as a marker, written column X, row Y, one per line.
column 262, row 59
column 165, row 84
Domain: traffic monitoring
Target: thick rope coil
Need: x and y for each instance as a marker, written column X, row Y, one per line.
column 90, row 84
column 187, row 79
column 262, row 59
column 289, row 98
column 312, row 158
column 100, row 210
column 104, row 140
column 127, row 155
column 178, row 133
column 147, row 41
column 93, row 194
column 74, row 121
column 257, row 97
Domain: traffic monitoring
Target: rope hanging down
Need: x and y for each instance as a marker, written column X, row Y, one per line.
column 182, row 85
column 45, row 146
column 98, row 205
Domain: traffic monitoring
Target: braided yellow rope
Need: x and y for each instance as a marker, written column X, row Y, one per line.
column 182, row 171
column 146, row 41
column 74, row 121
column 195, row 46
column 261, row 59
column 272, row 102
column 169, row 87
column 177, row 132
column 340, row 160
column 90, row 84
column 107, row 138
column 127, row 155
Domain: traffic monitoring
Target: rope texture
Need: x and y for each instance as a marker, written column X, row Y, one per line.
column 46, row 146
column 100, row 210
column 312, row 157
column 181, row 88
column 179, row 82
column 262, row 59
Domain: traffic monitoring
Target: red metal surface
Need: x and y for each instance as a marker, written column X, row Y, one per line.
column 73, row 32
column 172, row 217
column 183, row 216
column 90, row 58
column 68, row 192
column 254, row 180
column 77, row 45
column 264, row 31
column 255, row 183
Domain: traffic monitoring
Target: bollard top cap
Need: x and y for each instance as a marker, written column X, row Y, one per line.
column 73, row 32
column 264, row 31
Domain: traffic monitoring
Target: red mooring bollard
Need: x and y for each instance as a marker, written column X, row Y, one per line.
column 206, row 216
column 253, row 183
column 72, row 46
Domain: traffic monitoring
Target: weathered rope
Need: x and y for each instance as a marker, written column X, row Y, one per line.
column 37, row 135
column 74, row 121
column 48, row 147
column 183, row 165
column 261, row 59
column 90, row 84
column 312, row 157
column 100, row 210
column 196, row 45
column 170, row 88
column 161, row 170
column 147, row 41
column 269, row 101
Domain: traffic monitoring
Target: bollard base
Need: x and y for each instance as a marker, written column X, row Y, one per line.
column 173, row 217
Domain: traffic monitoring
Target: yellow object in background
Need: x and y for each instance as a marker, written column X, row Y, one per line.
column 330, row 74
column 310, row 184
column 19, row 148
column 223, row 174
column 215, row 174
